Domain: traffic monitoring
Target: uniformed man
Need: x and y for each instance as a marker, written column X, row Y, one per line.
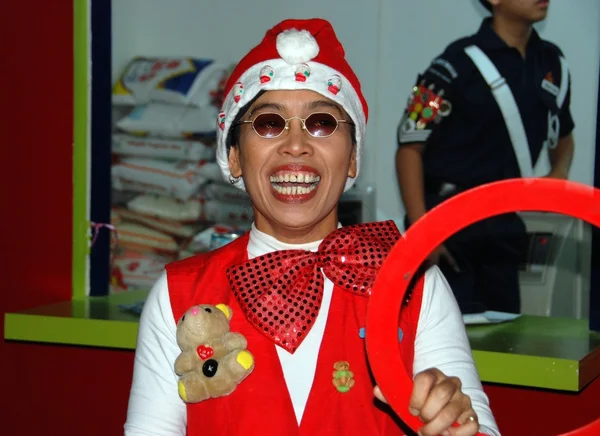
column 485, row 110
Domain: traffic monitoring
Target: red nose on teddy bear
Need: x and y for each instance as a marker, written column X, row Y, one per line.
column 204, row 352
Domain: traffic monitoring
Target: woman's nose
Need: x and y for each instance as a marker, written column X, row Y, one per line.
column 296, row 141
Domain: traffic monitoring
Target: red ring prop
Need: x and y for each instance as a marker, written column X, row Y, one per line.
column 424, row 236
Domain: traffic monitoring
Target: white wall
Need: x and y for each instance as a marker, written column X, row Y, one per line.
column 388, row 42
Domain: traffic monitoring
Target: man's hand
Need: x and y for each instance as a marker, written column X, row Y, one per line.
column 442, row 253
column 556, row 174
column 439, row 402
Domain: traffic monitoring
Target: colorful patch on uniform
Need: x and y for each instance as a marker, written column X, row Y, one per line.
column 425, row 104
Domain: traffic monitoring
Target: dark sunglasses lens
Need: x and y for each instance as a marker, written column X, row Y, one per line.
column 321, row 124
column 269, row 125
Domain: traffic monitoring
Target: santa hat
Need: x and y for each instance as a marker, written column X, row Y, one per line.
column 295, row 54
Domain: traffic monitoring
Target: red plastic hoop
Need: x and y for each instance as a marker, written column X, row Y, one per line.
column 541, row 195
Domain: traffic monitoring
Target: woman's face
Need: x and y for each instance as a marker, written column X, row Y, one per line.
column 294, row 180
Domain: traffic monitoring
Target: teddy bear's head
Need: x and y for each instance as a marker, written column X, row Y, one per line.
column 202, row 322
column 341, row 366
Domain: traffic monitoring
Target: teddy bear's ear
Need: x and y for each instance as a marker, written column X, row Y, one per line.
column 225, row 309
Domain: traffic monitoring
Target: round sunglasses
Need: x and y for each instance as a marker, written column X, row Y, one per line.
column 318, row 124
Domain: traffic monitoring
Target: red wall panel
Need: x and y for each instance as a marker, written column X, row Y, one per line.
column 45, row 388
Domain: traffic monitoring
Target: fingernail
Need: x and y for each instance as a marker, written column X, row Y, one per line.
column 413, row 412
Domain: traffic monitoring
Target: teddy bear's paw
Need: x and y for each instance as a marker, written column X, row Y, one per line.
column 245, row 359
column 181, row 390
column 238, row 364
column 192, row 388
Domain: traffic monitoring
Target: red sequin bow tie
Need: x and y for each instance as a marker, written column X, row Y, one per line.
column 280, row 293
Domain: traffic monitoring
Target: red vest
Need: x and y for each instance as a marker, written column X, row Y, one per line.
column 261, row 404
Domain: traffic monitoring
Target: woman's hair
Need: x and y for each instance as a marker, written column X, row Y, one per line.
column 486, row 4
column 233, row 137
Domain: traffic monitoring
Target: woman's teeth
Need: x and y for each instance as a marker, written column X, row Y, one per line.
column 294, row 190
column 309, row 183
column 296, row 178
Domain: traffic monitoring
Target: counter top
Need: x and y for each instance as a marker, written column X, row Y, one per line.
column 93, row 321
column 531, row 351
column 536, row 351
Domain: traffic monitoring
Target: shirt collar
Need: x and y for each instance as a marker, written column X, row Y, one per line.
column 489, row 40
column 260, row 243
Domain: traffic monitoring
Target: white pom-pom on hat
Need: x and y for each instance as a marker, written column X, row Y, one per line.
column 297, row 46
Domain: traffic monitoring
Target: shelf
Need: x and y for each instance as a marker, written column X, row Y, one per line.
column 550, row 353
column 96, row 322
column 535, row 351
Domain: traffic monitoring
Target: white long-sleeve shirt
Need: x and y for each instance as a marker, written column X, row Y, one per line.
column 155, row 408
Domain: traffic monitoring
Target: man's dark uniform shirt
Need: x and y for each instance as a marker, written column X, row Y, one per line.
column 466, row 144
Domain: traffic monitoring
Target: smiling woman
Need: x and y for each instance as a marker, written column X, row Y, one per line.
column 295, row 288
column 294, row 178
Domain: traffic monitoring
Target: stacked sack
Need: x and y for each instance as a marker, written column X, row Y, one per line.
column 168, row 191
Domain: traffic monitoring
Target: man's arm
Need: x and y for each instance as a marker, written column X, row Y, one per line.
column 409, row 170
column 428, row 109
column 433, row 90
column 561, row 157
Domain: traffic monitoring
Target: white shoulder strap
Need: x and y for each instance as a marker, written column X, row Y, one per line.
column 564, row 82
column 508, row 107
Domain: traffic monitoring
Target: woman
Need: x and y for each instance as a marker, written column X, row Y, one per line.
column 291, row 133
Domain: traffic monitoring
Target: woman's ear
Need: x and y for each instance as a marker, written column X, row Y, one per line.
column 235, row 167
column 352, row 169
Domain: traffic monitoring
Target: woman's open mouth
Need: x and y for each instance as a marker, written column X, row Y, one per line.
column 294, row 183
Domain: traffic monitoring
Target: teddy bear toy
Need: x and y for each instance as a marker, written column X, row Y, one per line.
column 213, row 360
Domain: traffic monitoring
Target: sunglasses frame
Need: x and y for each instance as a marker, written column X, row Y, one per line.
column 287, row 124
